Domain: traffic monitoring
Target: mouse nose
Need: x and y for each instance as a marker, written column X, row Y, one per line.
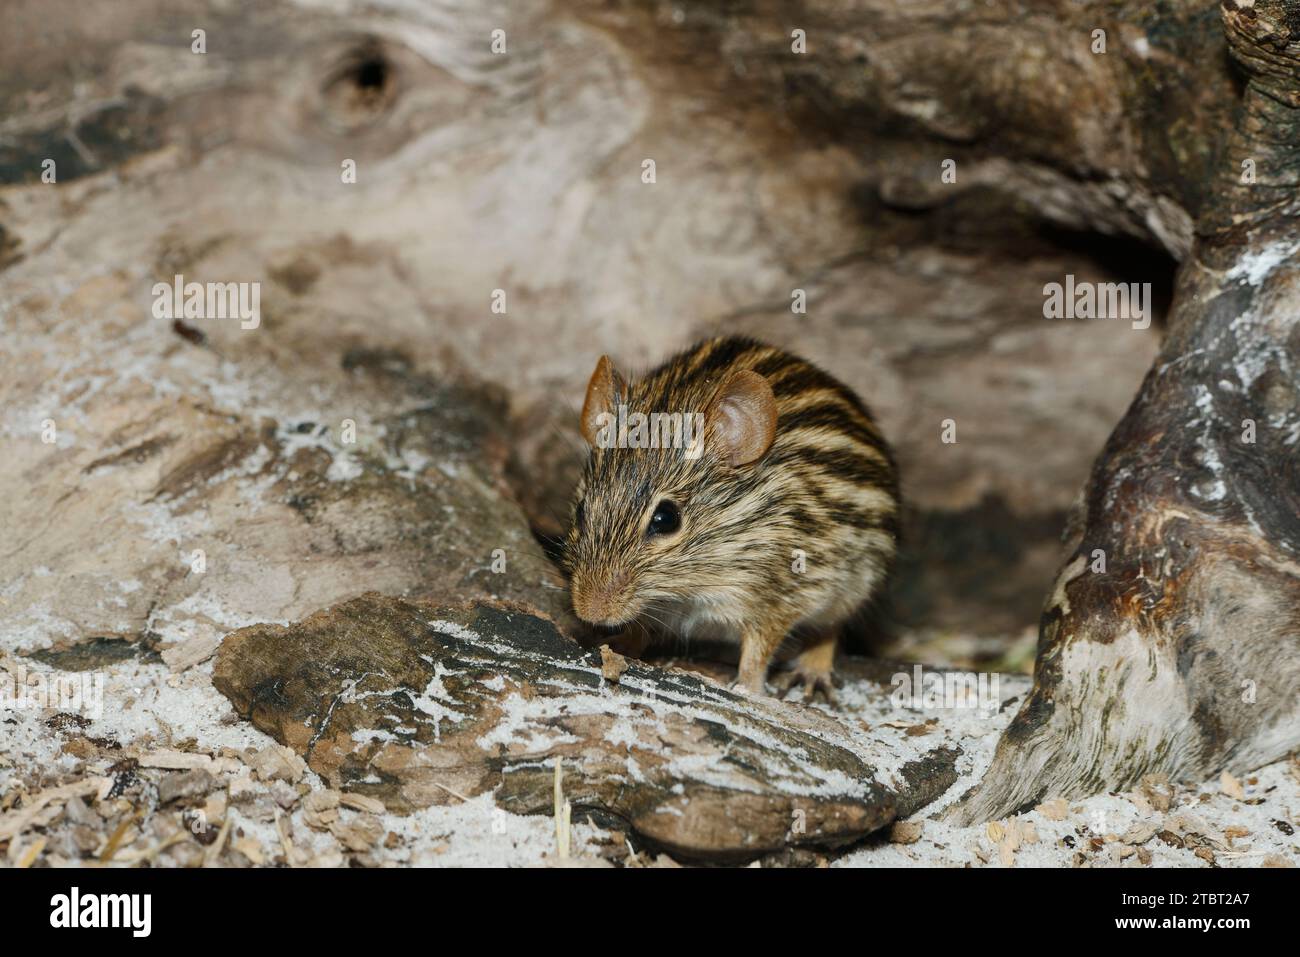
column 601, row 601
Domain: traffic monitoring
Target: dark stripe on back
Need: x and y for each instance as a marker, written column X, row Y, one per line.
column 834, row 415
column 722, row 355
column 804, row 377
column 773, row 365
column 840, row 463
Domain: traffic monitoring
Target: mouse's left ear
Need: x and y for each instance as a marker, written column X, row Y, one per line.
column 603, row 392
column 741, row 419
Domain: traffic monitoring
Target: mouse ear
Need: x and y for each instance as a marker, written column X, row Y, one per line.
column 741, row 419
column 603, row 391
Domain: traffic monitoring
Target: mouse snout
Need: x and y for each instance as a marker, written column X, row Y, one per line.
column 602, row 599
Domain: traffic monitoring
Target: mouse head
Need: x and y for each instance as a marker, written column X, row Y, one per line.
column 665, row 496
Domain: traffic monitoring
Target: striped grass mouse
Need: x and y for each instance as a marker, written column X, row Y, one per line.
column 736, row 492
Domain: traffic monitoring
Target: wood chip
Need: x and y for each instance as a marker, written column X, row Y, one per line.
column 910, row 728
column 283, row 827
column 362, row 802
column 15, row 822
column 1013, row 834
column 242, row 787
column 906, row 832
column 358, row 835
column 119, row 839
column 250, row 848
column 330, row 857
column 1158, row 791
column 321, row 809
column 284, row 795
column 185, row 785
column 214, row 809
column 1231, row 787
column 1187, row 824
column 1054, row 810
column 30, row 853
column 322, row 801
column 78, row 812
column 172, row 760
column 192, row 651
column 612, row 664
column 1138, row 834
column 1007, row 854
column 1140, row 802
column 275, row 762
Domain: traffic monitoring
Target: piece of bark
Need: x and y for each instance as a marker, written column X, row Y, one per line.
column 416, row 704
column 1171, row 641
column 185, row 785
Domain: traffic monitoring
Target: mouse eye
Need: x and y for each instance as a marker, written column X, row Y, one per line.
column 665, row 520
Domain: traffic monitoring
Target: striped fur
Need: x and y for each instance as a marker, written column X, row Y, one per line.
column 827, row 486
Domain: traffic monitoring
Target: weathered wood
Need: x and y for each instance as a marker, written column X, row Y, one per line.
column 1095, row 114
column 1182, row 653
column 418, row 705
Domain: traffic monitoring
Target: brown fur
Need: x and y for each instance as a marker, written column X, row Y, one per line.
column 792, row 461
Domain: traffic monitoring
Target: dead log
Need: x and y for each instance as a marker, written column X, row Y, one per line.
column 414, row 705
column 1172, row 639
column 1096, row 115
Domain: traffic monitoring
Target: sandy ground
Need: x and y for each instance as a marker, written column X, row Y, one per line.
column 168, row 775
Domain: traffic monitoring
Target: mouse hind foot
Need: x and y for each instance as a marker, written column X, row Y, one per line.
column 814, row 669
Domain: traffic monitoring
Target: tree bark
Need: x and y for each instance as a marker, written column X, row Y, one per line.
column 1096, row 115
column 1171, row 641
